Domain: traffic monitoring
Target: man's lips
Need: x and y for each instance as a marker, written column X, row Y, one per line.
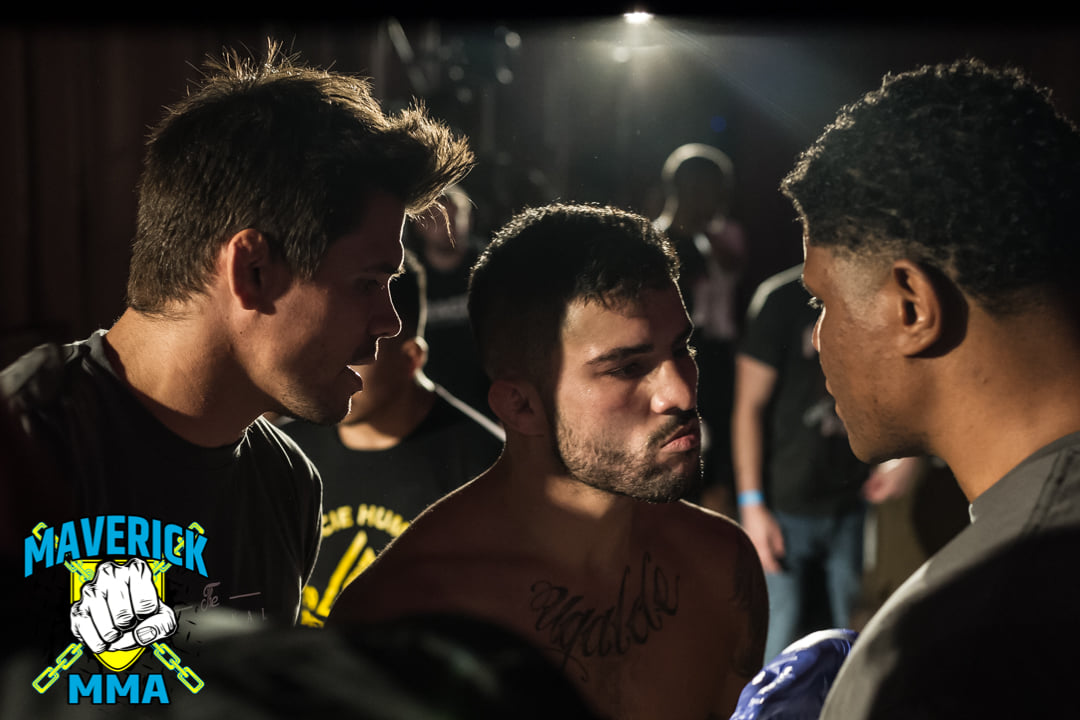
column 351, row 370
column 686, row 438
column 355, row 365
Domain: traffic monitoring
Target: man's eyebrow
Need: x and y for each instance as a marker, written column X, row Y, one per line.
column 620, row 354
column 393, row 271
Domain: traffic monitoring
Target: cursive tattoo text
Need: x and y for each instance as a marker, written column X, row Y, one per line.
column 573, row 629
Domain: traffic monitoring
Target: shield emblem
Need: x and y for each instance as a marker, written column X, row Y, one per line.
column 115, row 660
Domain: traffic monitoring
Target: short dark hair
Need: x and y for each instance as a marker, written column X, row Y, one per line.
column 967, row 169
column 292, row 151
column 544, row 259
column 409, row 291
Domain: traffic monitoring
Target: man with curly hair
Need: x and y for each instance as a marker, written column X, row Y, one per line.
column 941, row 247
column 270, row 213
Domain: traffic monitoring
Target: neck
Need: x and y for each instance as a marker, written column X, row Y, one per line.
column 561, row 516
column 385, row 428
column 181, row 371
column 1019, row 390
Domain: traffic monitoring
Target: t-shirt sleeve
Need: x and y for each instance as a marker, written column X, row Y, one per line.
column 312, row 532
column 764, row 338
column 315, row 529
column 309, row 490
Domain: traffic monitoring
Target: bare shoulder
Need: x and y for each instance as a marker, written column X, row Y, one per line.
column 723, row 559
column 442, row 562
column 722, row 537
column 692, row 526
column 712, row 548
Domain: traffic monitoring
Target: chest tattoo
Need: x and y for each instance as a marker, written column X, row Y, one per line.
column 575, row 629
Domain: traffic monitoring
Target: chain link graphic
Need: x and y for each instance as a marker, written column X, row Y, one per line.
column 63, row 661
column 171, row 661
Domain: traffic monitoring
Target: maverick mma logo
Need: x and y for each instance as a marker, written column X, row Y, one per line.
column 118, row 606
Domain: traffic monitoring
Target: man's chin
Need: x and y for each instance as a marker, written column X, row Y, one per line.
column 876, row 454
column 326, row 413
column 677, row 486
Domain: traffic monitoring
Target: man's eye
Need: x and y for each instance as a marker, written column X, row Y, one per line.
column 371, row 285
column 627, row 371
column 815, row 303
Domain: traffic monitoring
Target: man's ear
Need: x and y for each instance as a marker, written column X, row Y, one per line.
column 927, row 313
column 254, row 277
column 517, row 404
column 416, row 349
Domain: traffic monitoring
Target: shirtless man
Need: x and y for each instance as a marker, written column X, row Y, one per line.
column 577, row 538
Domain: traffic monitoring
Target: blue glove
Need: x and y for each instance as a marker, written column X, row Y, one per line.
column 793, row 685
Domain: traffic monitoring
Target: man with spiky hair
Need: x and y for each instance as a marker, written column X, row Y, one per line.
column 578, row 539
column 270, row 212
column 941, row 246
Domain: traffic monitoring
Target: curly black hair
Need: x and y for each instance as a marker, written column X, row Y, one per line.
column 967, row 169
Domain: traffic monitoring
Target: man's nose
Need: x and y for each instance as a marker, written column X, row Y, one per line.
column 385, row 321
column 677, row 386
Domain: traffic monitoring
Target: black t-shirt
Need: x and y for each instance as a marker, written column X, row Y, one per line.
column 248, row 512
column 370, row 497
column 809, row 466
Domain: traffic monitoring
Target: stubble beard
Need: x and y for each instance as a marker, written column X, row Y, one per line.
column 598, row 462
column 304, row 406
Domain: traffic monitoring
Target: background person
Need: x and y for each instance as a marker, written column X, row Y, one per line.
column 447, row 246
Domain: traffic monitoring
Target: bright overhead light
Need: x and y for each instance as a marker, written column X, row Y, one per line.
column 637, row 17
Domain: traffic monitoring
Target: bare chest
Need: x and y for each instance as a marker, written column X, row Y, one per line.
column 645, row 643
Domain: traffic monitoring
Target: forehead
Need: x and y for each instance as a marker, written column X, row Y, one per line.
column 837, row 276
column 592, row 327
column 373, row 246
column 817, row 264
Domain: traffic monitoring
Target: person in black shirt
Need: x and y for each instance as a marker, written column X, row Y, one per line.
column 446, row 244
column 270, row 212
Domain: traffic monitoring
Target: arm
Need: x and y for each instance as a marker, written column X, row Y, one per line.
column 754, row 384
column 751, row 603
column 892, row 479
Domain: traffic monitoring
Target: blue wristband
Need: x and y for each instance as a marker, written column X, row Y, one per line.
column 750, row 497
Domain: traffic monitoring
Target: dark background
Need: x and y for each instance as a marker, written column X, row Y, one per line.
column 578, row 107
